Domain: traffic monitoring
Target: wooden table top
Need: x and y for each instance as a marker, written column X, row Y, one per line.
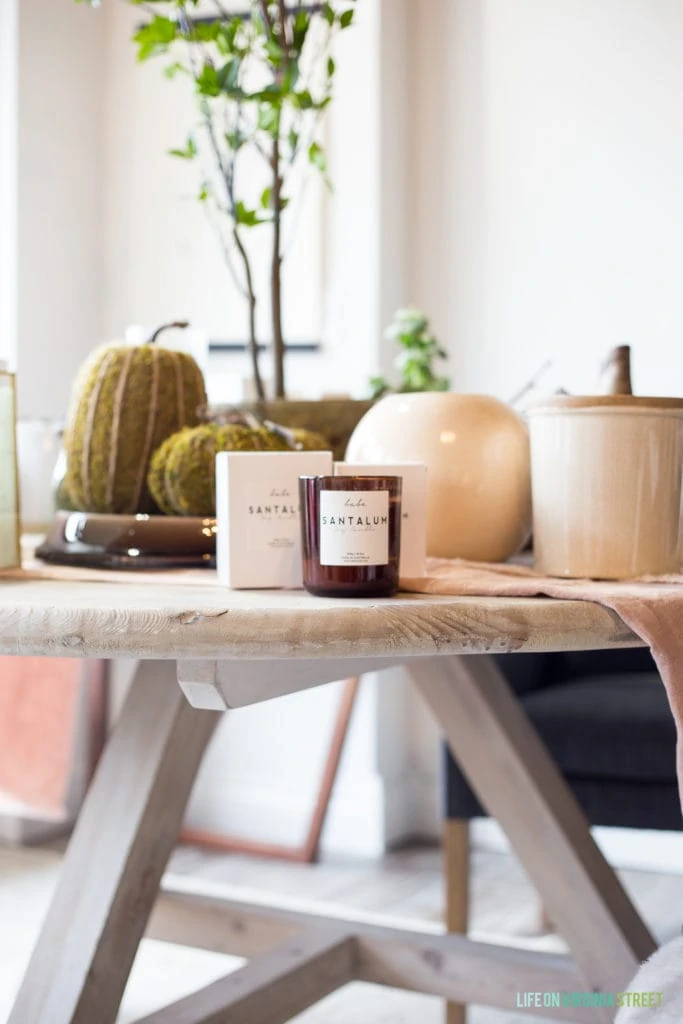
column 169, row 618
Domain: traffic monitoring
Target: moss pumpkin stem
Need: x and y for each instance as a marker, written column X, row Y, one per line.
column 165, row 327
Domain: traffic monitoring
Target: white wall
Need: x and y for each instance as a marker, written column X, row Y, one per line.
column 549, row 207
column 9, row 102
column 59, row 214
column 547, row 215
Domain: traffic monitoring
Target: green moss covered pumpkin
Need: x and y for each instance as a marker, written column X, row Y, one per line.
column 126, row 401
column 182, row 475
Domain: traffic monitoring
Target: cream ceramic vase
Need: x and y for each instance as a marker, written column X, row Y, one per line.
column 478, row 479
column 606, row 474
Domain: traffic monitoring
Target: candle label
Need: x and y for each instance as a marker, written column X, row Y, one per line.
column 354, row 527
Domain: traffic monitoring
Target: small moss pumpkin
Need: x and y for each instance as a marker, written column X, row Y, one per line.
column 126, row 401
column 310, row 441
column 156, row 477
column 182, row 476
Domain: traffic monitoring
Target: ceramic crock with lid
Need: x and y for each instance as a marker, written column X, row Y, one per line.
column 606, row 485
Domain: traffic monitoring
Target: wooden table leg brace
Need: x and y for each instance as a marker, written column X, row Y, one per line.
column 129, row 824
column 520, row 785
column 124, row 836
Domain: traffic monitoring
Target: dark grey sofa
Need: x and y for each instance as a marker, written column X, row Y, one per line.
column 605, row 718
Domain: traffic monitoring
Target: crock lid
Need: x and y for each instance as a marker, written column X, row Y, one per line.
column 639, row 402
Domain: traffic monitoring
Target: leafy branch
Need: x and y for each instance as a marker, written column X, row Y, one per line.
column 263, row 81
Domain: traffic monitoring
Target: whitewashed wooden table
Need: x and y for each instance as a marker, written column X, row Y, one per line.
column 235, row 649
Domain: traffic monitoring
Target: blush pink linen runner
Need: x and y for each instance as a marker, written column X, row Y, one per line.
column 652, row 607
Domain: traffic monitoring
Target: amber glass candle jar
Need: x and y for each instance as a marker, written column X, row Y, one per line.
column 351, row 535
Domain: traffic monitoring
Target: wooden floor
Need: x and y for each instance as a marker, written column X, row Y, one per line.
column 406, row 884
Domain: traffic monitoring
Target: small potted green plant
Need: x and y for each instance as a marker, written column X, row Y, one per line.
column 415, row 361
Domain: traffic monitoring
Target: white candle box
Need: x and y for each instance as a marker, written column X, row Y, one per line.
column 258, row 522
column 413, row 507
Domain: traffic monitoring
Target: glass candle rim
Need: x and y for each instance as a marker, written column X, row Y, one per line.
column 350, row 479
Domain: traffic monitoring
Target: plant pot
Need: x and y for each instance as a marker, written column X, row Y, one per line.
column 334, row 418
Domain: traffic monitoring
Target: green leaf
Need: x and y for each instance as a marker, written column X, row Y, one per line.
column 328, row 13
column 317, row 157
column 269, row 119
column 235, row 140
column 249, row 218
column 291, row 76
column 270, row 92
column 208, row 83
column 231, row 30
column 302, row 100
column 274, row 52
column 346, row 18
column 206, row 31
column 331, row 66
column 258, row 23
column 224, row 35
column 407, row 323
column 222, row 44
column 174, row 69
column 266, row 197
column 188, row 153
column 155, row 37
column 204, row 192
column 419, row 348
column 293, row 139
column 378, row 387
column 228, row 75
column 302, row 23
